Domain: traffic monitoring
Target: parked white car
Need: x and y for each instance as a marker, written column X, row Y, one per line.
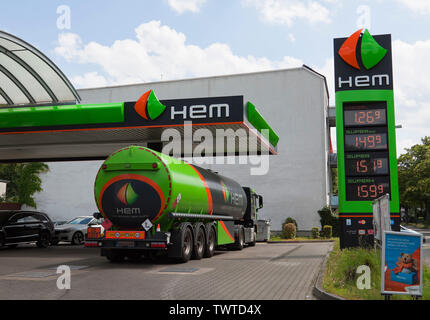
column 75, row 230
column 404, row 229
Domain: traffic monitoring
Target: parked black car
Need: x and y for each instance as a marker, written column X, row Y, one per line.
column 25, row 227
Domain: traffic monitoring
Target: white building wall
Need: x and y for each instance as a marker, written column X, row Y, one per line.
column 294, row 102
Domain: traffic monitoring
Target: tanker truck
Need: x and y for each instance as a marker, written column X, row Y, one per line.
column 152, row 202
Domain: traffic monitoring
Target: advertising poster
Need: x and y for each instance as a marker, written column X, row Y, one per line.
column 401, row 263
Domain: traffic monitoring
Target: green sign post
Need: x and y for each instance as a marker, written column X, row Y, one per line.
column 366, row 139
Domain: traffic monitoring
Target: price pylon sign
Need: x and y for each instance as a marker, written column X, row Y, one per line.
column 366, row 137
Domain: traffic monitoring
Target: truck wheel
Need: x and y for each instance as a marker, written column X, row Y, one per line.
column 44, row 240
column 240, row 241
column 187, row 244
column 210, row 246
column 254, row 241
column 199, row 244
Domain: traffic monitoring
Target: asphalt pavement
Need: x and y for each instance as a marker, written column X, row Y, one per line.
column 263, row 272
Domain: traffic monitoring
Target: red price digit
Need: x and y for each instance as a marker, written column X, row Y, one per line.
column 378, row 115
column 373, row 191
column 369, row 117
column 362, row 166
column 371, row 140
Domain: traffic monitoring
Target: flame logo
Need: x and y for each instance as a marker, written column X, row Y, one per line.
column 148, row 106
column 371, row 52
column 225, row 191
column 127, row 195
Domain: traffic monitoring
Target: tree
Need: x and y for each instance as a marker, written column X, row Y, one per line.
column 24, row 181
column 414, row 178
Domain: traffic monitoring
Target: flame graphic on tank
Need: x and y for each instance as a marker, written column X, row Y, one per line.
column 225, row 191
column 127, row 195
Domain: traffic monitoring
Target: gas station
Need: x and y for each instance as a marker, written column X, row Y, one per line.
column 43, row 118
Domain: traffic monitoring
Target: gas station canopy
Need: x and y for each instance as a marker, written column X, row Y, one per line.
column 27, row 76
column 40, row 119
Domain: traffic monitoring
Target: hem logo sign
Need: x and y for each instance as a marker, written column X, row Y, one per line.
column 148, row 106
column 370, row 52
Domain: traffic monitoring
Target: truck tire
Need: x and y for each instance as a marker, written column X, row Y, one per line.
column 254, row 240
column 240, row 240
column 187, row 244
column 211, row 242
column 199, row 243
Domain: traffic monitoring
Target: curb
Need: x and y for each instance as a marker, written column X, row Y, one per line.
column 301, row 241
column 318, row 290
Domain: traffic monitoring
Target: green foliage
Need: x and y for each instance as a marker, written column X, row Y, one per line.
column 327, row 231
column 289, row 231
column 24, row 181
column 327, row 217
column 315, row 232
column 334, row 181
column 340, row 276
column 290, row 220
column 414, row 178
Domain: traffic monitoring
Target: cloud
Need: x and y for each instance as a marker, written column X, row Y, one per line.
column 181, row 6
column 412, row 90
column 287, row 11
column 418, row 6
column 158, row 51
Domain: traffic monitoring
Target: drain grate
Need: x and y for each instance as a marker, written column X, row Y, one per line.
column 33, row 274
column 70, row 266
column 178, row 269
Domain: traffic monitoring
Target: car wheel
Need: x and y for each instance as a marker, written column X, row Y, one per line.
column 44, row 240
column 2, row 241
column 78, row 238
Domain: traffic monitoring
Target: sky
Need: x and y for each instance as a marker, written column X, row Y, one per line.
column 110, row 42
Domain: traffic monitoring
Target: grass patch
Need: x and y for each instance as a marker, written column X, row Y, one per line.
column 340, row 276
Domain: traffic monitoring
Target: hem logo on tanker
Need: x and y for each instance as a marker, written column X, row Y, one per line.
column 150, row 108
column 363, row 53
column 127, row 196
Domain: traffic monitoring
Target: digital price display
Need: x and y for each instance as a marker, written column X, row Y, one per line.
column 366, row 189
column 366, row 141
column 366, row 164
column 361, row 115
